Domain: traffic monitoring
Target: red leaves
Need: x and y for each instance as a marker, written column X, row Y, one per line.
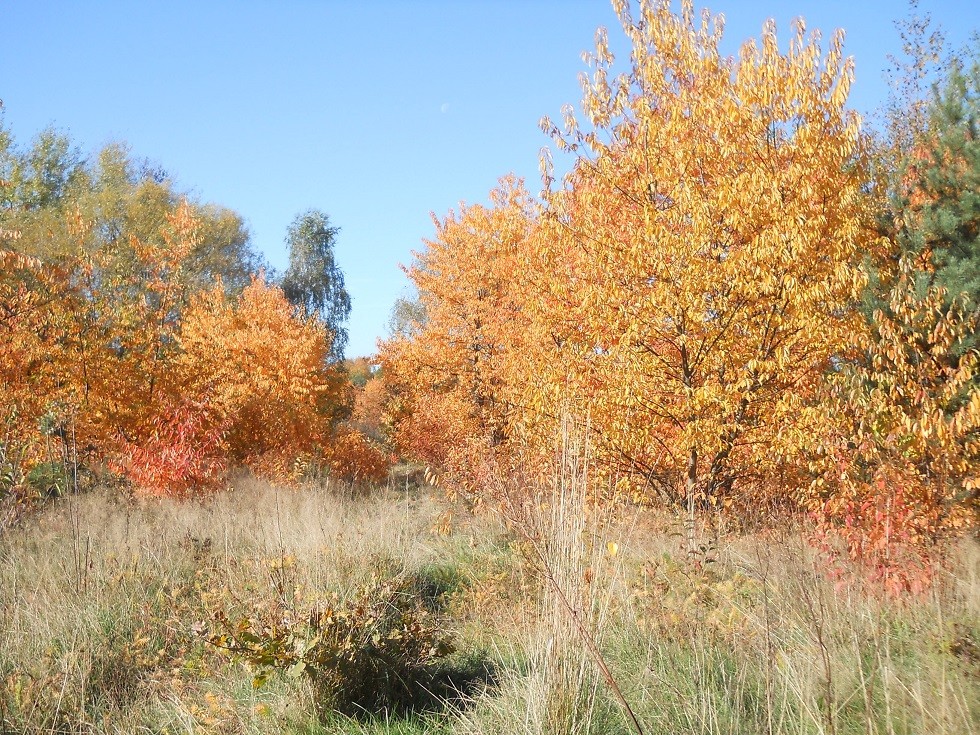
column 888, row 532
column 184, row 453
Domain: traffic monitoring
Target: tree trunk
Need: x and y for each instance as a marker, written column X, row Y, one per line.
column 691, row 489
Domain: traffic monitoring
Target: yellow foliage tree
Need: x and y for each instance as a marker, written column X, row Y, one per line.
column 695, row 273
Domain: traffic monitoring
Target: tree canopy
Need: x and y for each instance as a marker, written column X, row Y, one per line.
column 313, row 280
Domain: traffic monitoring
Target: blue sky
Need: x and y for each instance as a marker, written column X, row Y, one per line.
column 377, row 113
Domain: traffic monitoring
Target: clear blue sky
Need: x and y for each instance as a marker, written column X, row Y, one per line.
column 377, row 113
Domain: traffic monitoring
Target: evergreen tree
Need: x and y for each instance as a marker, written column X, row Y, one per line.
column 938, row 197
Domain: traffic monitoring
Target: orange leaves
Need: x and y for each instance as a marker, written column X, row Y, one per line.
column 183, row 453
column 369, row 408
column 263, row 371
column 355, row 458
column 702, row 252
column 449, row 375
column 171, row 387
column 888, row 530
column 35, row 318
column 897, row 468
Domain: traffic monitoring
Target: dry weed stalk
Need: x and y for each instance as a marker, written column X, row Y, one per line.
column 557, row 519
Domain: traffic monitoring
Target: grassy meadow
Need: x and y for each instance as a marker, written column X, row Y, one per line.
column 109, row 610
column 703, row 410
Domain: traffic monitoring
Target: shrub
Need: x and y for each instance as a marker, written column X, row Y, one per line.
column 183, row 454
column 49, row 478
column 355, row 458
column 376, row 652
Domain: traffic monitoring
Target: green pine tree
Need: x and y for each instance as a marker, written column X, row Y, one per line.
column 938, row 198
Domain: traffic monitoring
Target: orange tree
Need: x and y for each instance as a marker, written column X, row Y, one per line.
column 694, row 275
column 447, row 373
column 35, row 318
column 263, row 372
column 686, row 289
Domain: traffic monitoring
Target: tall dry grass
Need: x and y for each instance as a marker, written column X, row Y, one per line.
column 114, row 647
column 754, row 638
column 630, row 633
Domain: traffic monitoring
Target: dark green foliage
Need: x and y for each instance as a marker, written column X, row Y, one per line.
column 938, row 198
column 49, row 478
column 313, row 281
column 951, row 215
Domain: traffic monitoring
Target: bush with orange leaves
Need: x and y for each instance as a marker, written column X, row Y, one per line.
column 369, row 409
column 264, row 373
column 354, row 458
column 33, row 323
column 897, row 474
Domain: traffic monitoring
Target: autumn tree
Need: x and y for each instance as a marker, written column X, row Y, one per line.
column 447, row 370
column 696, row 270
column 116, row 253
column 368, row 415
column 115, row 331
column 264, row 371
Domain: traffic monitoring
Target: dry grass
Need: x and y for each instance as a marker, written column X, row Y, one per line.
column 108, row 644
column 99, row 599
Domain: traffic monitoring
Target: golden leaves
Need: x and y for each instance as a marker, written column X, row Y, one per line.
column 702, row 245
column 691, row 288
column 688, row 284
